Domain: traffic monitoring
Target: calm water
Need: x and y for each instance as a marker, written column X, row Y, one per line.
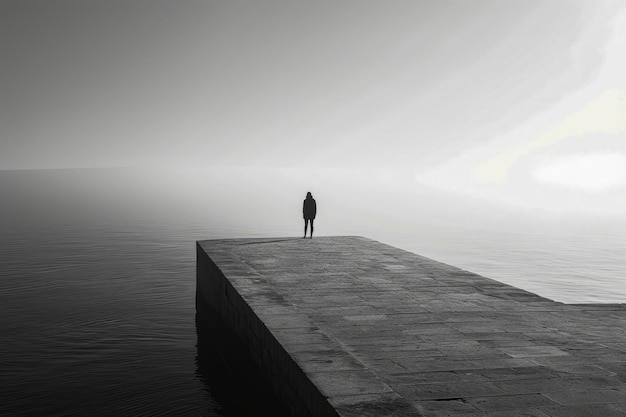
column 97, row 285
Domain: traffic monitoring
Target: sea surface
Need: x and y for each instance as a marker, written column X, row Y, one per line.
column 97, row 276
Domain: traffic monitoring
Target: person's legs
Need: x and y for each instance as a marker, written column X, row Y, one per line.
column 311, row 229
column 306, row 223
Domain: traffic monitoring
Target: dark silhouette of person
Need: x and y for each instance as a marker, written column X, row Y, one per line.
column 309, row 210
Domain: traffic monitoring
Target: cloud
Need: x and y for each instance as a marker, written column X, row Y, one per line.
column 606, row 115
column 593, row 173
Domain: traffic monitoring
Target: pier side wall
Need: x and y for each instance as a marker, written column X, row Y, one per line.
column 217, row 300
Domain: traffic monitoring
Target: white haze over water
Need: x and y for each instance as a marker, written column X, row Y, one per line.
column 568, row 257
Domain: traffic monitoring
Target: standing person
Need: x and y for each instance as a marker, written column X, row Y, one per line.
column 309, row 209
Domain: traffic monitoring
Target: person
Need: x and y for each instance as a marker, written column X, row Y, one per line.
column 309, row 210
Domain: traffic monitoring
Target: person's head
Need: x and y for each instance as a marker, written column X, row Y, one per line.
column 308, row 195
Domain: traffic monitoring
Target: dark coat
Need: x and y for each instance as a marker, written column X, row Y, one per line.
column 309, row 208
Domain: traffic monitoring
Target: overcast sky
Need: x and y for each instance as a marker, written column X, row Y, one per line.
column 471, row 95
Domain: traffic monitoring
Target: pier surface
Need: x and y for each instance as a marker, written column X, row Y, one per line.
column 347, row 326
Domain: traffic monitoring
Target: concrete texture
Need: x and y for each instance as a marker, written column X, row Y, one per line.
column 346, row 326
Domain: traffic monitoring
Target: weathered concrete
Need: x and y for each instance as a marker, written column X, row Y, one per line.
column 351, row 327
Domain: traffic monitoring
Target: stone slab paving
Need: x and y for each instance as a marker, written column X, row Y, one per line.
column 385, row 332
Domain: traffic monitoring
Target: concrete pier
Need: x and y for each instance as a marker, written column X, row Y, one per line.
column 346, row 326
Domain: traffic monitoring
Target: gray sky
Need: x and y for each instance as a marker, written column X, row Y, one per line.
column 472, row 94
